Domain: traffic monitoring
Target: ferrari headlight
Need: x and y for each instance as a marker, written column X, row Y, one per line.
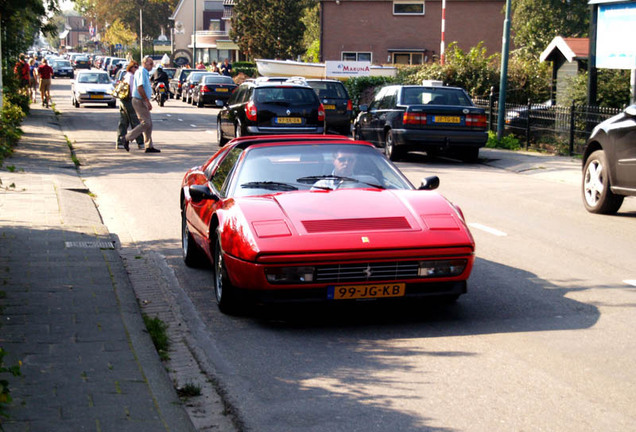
column 445, row 268
column 283, row 275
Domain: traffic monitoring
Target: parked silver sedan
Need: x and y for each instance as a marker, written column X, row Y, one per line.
column 92, row 87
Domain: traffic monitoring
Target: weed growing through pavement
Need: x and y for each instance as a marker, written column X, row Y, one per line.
column 55, row 111
column 73, row 157
column 157, row 330
column 189, row 390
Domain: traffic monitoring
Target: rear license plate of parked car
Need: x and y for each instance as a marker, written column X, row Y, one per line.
column 330, row 107
column 446, row 119
column 221, row 89
column 347, row 292
column 288, row 120
column 97, row 96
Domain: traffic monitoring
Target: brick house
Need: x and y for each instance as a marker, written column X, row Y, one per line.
column 406, row 31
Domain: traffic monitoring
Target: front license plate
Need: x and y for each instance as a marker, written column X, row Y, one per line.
column 97, row 96
column 221, row 89
column 329, row 107
column 350, row 292
column 447, row 119
column 288, row 120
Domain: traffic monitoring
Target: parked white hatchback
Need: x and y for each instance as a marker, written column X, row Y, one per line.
column 92, row 87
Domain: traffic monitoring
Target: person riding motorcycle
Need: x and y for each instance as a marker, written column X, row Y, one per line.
column 160, row 76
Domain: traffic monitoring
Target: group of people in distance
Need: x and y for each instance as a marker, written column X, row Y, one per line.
column 32, row 76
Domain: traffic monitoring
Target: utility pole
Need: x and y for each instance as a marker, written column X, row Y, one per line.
column 194, row 35
column 501, row 112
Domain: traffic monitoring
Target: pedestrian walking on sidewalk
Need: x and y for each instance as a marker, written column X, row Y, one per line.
column 33, row 79
column 141, row 92
column 127, row 115
column 45, row 73
column 21, row 71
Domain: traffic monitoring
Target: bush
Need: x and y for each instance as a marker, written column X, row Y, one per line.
column 612, row 88
column 248, row 68
column 10, row 132
column 361, row 89
column 508, row 142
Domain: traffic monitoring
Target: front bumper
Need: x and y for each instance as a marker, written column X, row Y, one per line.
column 96, row 98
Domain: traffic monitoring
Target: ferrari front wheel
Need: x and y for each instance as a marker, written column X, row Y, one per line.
column 226, row 297
column 192, row 255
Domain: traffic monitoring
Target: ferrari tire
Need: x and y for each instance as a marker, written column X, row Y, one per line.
column 192, row 255
column 224, row 291
column 597, row 194
column 392, row 151
column 219, row 134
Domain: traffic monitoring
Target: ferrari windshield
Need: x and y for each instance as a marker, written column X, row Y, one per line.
column 272, row 169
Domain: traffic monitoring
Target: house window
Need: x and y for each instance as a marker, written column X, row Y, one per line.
column 356, row 56
column 215, row 25
column 408, row 7
column 408, row 58
column 212, row 5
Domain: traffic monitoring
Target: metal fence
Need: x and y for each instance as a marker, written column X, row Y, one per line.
column 545, row 126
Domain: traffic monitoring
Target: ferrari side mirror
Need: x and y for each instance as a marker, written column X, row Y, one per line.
column 429, row 183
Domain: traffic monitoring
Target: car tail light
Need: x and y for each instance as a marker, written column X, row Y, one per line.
column 476, row 120
column 205, row 89
column 250, row 111
column 413, row 118
column 321, row 113
column 349, row 105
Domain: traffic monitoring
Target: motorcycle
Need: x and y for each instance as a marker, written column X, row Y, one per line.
column 160, row 93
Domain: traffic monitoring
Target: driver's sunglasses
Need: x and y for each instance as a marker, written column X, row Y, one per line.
column 343, row 159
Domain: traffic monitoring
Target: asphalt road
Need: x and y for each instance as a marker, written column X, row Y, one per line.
column 544, row 340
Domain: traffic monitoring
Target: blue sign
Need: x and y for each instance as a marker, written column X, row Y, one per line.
column 118, row 46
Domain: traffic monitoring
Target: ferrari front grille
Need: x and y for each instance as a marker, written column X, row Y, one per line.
column 367, row 272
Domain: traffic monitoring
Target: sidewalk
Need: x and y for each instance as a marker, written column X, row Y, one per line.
column 69, row 313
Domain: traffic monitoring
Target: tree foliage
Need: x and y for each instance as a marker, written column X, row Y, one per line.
column 269, row 28
column 21, row 22
column 104, row 13
column 311, row 38
column 612, row 88
column 536, row 22
column 118, row 33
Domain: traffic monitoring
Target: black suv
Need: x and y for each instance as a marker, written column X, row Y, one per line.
column 265, row 108
column 431, row 118
column 177, row 81
column 338, row 106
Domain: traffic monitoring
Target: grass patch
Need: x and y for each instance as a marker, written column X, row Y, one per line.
column 189, row 390
column 157, row 331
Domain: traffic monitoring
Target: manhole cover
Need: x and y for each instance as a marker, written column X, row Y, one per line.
column 91, row 244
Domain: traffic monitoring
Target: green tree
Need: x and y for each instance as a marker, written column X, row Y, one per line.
column 311, row 38
column 118, row 33
column 613, row 88
column 536, row 22
column 269, row 28
column 20, row 24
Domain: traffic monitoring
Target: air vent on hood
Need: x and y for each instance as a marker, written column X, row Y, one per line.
column 358, row 224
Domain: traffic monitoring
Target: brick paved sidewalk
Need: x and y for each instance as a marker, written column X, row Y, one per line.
column 69, row 313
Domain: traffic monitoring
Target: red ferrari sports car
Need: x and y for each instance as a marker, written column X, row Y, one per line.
column 319, row 218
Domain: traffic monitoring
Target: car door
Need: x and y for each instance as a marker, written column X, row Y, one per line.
column 367, row 119
column 624, row 141
column 228, row 112
column 380, row 118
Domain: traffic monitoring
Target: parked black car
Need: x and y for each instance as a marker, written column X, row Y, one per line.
column 432, row 118
column 609, row 163
column 177, row 82
column 191, row 82
column 260, row 108
column 337, row 103
column 212, row 88
column 541, row 115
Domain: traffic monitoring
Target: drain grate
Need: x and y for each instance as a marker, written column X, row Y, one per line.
column 91, row 244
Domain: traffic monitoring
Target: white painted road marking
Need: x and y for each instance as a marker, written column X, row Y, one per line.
column 492, row 231
column 211, row 132
column 193, row 125
column 630, row 282
column 180, row 119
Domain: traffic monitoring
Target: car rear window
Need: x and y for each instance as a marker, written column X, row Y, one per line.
column 434, row 96
column 284, row 94
column 329, row 90
column 218, row 80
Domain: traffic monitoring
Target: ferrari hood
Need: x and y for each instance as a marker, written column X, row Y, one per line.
column 352, row 219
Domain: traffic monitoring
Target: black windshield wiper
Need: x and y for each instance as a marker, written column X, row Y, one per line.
column 270, row 185
column 312, row 179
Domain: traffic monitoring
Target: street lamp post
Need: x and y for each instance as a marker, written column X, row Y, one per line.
column 501, row 112
column 194, row 35
column 141, row 35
